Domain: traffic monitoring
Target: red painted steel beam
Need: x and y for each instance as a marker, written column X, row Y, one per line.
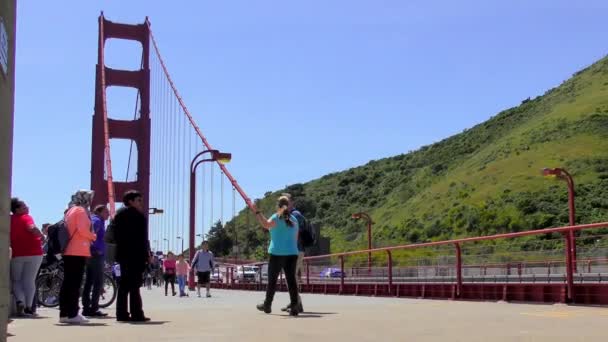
column 104, row 128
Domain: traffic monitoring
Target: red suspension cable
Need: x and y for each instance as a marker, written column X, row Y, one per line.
column 233, row 181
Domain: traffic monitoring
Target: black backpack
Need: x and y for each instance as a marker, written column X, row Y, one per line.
column 307, row 234
column 59, row 237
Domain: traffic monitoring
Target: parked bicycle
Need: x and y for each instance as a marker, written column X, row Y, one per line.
column 50, row 277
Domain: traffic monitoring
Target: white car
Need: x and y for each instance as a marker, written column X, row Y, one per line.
column 247, row 274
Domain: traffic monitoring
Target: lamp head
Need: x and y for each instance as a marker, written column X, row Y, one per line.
column 221, row 157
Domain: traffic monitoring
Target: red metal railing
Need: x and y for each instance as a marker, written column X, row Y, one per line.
column 551, row 279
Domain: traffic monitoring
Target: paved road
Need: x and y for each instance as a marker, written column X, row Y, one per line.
column 231, row 316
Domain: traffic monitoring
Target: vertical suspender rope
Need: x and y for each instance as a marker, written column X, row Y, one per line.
column 222, row 197
column 233, row 181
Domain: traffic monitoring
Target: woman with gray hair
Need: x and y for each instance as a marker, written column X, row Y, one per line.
column 78, row 249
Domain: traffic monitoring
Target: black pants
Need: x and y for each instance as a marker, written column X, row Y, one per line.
column 94, row 282
column 73, row 270
column 169, row 279
column 131, row 279
column 288, row 264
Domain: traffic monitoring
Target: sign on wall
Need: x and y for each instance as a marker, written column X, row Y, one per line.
column 3, row 47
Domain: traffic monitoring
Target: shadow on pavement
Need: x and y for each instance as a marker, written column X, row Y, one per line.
column 148, row 323
column 82, row 325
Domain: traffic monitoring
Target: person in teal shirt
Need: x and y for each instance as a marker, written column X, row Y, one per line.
column 283, row 251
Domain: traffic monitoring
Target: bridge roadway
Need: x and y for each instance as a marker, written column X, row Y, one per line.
column 231, row 316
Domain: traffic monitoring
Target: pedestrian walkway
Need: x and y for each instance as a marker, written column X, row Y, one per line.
column 231, row 316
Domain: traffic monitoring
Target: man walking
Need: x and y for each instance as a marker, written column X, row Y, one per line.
column 203, row 264
column 132, row 254
column 95, row 265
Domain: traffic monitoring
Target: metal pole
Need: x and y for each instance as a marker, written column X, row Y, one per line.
column 369, row 245
column 341, row 274
column 192, row 225
column 390, row 272
column 458, row 270
column 572, row 217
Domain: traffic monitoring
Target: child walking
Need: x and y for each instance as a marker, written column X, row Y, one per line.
column 182, row 268
column 169, row 272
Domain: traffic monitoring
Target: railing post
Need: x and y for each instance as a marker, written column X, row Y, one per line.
column 458, row 270
column 569, row 270
column 307, row 273
column 390, row 272
column 341, row 274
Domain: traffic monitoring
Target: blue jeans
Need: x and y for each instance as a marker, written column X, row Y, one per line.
column 93, row 284
column 181, row 281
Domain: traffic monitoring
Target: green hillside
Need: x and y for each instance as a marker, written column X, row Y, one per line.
column 482, row 181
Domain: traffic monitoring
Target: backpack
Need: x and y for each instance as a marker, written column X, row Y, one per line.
column 59, row 238
column 306, row 232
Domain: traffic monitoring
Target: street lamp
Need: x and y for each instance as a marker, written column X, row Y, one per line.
column 368, row 219
column 167, row 244
column 216, row 156
column 180, row 238
column 570, row 239
column 154, row 211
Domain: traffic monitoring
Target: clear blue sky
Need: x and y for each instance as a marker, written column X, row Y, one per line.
column 347, row 80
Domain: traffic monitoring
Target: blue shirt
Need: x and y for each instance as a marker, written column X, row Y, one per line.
column 283, row 238
column 99, row 246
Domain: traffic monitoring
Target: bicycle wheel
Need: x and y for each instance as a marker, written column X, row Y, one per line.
column 48, row 287
column 108, row 291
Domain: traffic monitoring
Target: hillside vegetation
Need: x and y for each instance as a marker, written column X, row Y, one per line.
column 483, row 181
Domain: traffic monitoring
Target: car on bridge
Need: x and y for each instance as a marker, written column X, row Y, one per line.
column 332, row 273
column 247, row 274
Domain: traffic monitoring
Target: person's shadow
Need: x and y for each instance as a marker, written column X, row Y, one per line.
column 148, row 323
column 310, row 314
column 82, row 325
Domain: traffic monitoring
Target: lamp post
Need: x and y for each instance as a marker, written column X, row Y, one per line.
column 368, row 219
column 570, row 239
column 167, row 244
column 155, row 245
column 216, row 156
column 181, row 238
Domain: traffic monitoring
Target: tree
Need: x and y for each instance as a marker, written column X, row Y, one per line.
column 220, row 242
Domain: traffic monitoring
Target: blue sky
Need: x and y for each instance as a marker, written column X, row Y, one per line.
column 294, row 90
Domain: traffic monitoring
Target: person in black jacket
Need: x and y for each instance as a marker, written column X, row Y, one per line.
column 133, row 255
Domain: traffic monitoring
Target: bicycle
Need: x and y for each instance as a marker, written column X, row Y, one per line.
column 50, row 277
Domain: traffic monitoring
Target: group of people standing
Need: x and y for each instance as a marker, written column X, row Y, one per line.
column 84, row 251
column 202, row 263
column 128, row 231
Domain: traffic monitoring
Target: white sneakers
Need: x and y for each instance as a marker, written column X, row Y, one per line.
column 78, row 319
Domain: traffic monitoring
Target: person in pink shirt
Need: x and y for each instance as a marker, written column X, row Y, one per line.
column 169, row 266
column 75, row 255
column 182, row 269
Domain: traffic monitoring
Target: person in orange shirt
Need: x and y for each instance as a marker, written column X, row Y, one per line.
column 78, row 249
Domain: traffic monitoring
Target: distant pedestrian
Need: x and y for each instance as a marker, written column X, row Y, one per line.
column 182, row 269
column 26, row 245
column 95, row 265
column 283, row 251
column 75, row 256
column 133, row 254
column 169, row 268
column 203, row 264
